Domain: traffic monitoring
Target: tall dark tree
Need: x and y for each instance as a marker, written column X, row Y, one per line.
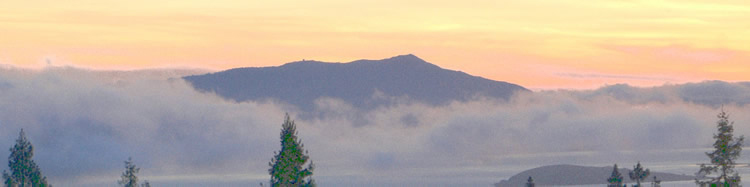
column 727, row 149
column 23, row 170
column 530, row 182
column 129, row 177
column 615, row 180
column 639, row 174
column 287, row 166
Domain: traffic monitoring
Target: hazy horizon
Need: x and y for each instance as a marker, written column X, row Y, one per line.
column 178, row 71
column 84, row 123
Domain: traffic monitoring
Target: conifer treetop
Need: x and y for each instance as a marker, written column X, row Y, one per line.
column 287, row 165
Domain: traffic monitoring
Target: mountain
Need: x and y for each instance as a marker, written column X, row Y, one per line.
column 580, row 175
column 362, row 83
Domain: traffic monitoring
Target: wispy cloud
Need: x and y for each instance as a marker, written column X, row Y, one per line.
column 615, row 76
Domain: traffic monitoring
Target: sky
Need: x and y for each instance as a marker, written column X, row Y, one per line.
column 566, row 44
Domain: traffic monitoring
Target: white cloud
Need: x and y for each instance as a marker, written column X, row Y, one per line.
column 83, row 124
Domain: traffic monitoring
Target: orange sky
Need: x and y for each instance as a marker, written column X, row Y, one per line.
column 539, row 44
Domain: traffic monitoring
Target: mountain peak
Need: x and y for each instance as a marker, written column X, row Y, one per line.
column 407, row 57
column 301, row 83
column 407, row 61
column 400, row 59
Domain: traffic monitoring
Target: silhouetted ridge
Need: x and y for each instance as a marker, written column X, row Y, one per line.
column 401, row 61
column 301, row 82
column 556, row 175
column 306, row 63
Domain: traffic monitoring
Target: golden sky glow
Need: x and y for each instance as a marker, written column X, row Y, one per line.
column 537, row 44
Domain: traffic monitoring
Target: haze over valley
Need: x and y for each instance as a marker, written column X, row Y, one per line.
column 83, row 123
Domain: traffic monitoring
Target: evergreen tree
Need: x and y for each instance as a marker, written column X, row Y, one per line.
column 23, row 170
column 287, row 164
column 638, row 174
column 615, row 180
column 727, row 149
column 530, row 182
column 129, row 178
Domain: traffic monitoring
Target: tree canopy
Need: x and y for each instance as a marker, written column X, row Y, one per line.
column 639, row 174
column 129, row 177
column 287, row 164
column 615, row 180
column 727, row 149
column 23, row 170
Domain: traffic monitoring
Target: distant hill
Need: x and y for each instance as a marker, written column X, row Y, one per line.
column 361, row 82
column 579, row 175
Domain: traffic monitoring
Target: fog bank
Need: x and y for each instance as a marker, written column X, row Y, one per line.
column 84, row 124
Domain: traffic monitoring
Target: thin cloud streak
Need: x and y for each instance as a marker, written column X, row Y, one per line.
column 615, row 76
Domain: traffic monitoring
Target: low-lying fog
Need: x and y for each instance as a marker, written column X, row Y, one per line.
column 84, row 124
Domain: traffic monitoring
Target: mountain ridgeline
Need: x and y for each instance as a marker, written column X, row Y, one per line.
column 558, row 175
column 362, row 83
